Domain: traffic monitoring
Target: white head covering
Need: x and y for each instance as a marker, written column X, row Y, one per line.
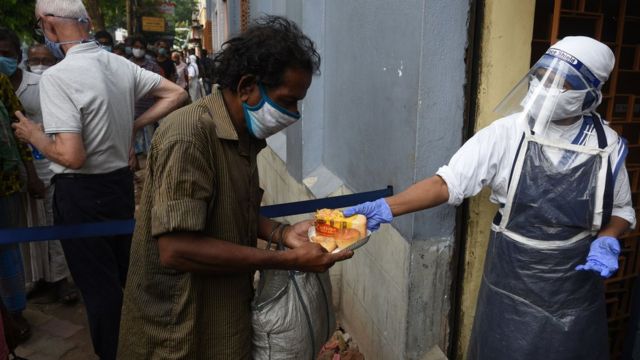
column 597, row 56
column 193, row 65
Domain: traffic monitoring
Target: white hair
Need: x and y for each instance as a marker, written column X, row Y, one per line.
column 65, row 8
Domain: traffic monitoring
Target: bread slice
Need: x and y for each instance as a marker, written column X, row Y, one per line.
column 326, row 242
column 359, row 222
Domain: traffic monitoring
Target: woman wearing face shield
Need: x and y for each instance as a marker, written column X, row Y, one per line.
column 557, row 171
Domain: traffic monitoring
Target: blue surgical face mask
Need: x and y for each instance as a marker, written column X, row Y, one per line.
column 267, row 118
column 8, row 65
column 56, row 48
column 128, row 50
column 108, row 48
column 162, row 51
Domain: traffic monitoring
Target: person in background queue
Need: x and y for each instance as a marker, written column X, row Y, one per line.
column 143, row 136
column 87, row 104
column 193, row 74
column 182, row 77
column 17, row 173
column 46, row 270
column 39, row 59
column 120, row 49
column 105, row 40
column 163, row 59
column 207, row 71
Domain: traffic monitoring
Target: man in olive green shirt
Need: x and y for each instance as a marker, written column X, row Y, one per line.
column 194, row 247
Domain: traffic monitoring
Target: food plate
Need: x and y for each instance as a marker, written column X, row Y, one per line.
column 355, row 245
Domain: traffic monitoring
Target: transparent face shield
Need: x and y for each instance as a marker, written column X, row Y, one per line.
column 554, row 90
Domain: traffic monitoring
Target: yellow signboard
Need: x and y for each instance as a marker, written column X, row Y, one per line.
column 152, row 24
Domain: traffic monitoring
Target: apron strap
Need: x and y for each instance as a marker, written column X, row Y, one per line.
column 513, row 163
column 597, row 124
column 607, row 203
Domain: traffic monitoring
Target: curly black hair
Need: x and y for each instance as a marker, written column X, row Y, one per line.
column 271, row 45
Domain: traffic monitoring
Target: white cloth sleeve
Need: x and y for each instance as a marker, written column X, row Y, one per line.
column 145, row 81
column 59, row 111
column 475, row 165
column 622, row 206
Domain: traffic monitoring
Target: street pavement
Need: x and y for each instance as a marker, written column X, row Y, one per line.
column 59, row 332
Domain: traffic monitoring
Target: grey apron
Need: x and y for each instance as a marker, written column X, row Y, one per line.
column 533, row 304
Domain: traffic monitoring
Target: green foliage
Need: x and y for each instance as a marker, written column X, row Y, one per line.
column 19, row 15
column 114, row 11
column 115, row 14
column 184, row 10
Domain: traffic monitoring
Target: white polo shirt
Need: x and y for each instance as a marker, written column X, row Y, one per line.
column 93, row 92
column 486, row 160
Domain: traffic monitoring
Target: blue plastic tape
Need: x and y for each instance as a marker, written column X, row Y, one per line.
column 125, row 227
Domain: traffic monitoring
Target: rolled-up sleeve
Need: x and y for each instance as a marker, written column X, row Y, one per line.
column 473, row 166
column 183, row 181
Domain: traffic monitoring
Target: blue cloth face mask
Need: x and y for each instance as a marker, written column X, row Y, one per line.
column 8, row 65
column 267, row 118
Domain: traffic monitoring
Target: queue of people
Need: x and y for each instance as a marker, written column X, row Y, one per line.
column 181, row 287
column 75, row 166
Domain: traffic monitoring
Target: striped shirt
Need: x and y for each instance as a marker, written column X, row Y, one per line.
column 202, row 177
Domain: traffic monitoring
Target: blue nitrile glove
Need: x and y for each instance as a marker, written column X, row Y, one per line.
column 377, row 212
column 603, row 256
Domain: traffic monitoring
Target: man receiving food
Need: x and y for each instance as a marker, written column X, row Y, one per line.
column 189, row 290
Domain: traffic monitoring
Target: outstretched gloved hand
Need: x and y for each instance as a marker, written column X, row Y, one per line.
column 603, row 256
column 377, row 212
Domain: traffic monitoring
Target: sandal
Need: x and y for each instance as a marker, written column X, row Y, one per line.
column 67, row 292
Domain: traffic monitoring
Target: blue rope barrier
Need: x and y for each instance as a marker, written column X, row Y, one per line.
column 125, row 227
column 336, row 202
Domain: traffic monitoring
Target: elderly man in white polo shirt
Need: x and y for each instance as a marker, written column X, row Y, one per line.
column 88, row 114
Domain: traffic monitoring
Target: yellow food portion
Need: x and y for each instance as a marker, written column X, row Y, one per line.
column 329, row 223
